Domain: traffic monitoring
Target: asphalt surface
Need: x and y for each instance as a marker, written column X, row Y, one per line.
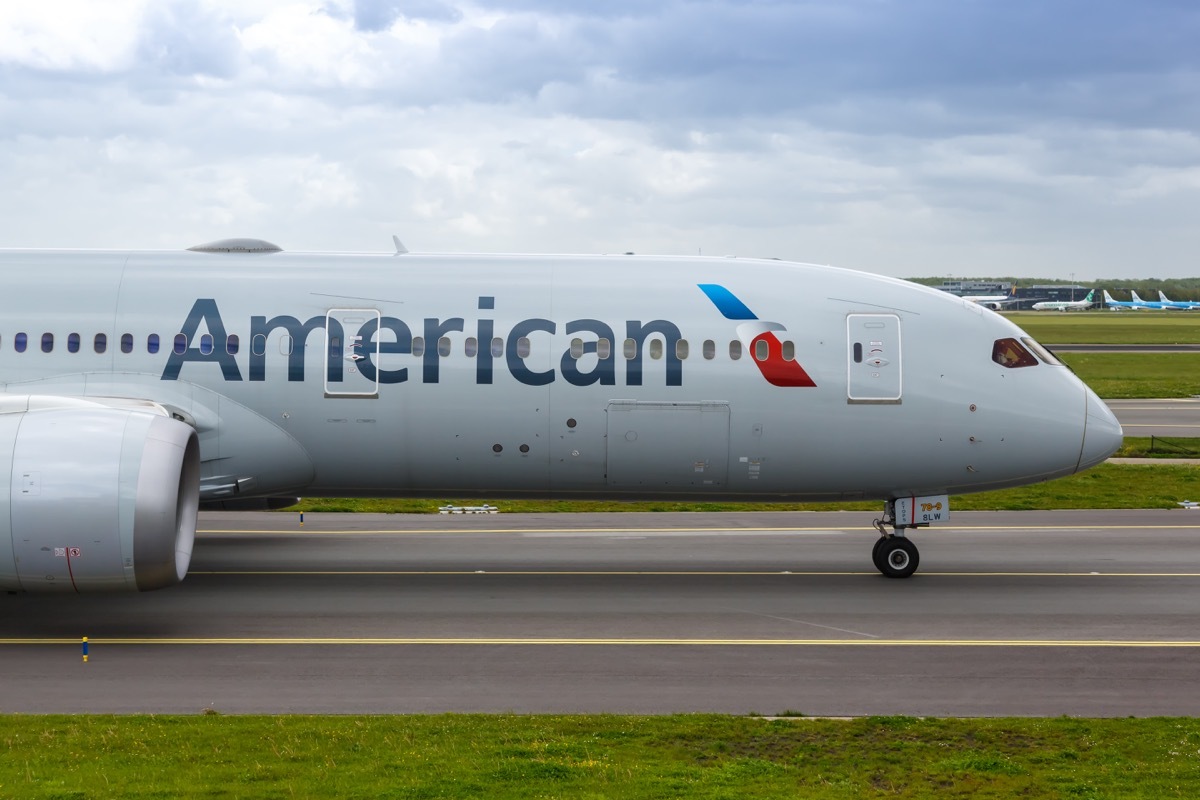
column 1033, row 613
column 1170, row 418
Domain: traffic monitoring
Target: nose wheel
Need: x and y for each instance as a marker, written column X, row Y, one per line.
column 893, row 554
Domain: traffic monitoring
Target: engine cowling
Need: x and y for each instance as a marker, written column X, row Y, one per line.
column 95, row 497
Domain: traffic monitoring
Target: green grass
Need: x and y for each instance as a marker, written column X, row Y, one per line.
column 1159, row 447
column 1108, row 327
column 693, row 756
column 1105, row 486
column 1137, row 375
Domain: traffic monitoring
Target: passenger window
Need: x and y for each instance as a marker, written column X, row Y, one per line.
column 100, row 343
column 231, row 344
column 471, row 347
column 681, row 349
column 497, row 348
column 206, row 343
column 523, row 347
column 630, row 349
column 152, row 343
column 762, row 350
column 1012, row 354
column 789, row 351
column 47, row 342
column 444, row 346
column 577, row 348
column 656, row 348
column 126, row 342
column 285, row 345
column 20, row 341
column 735, row 350
column 258, row 345
column 710, row 349
column 180, row 344
column 603, row 349
column 72, row 342
column 418, row 346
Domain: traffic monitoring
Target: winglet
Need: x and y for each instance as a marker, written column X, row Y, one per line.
column 400, row 248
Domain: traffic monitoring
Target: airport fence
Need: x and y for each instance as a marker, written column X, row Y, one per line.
column 1185, row 448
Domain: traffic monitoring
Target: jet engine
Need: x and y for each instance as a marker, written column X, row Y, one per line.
column 95, row 495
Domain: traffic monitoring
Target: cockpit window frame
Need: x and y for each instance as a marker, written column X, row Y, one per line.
column 1010, row 353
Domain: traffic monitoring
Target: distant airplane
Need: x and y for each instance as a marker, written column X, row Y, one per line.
column 1185, row 305
column 135, row 386
column 1065, row 305
column 1152, row 304
column 1120, row 305
column 993, row 301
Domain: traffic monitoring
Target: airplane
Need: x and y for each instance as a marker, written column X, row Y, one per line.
column 1152, row 304
column 1120, row 305
column 1065, row 305
column 993, row 301
column 1184, row 305
column 137, row 386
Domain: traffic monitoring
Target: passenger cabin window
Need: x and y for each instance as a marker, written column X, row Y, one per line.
column 710, row 349
column 577, row 348
column 762, row 350
column 523, row 347
column 72, row 342
column 1012, row 354
column 735, row 350
column 444, row 346
column 100, row 343
column 789, row 351
column 418, row 346
column 180, row 345
column 232, row 343
column 152, row 343
column 258, row 345
column 656, row 349
column 47, row 342
column 206, row 343
column 681, row 349
column 603, row 349
column 285, row 345
column 126, row 342
column 20, row 342
column 497, row 347
column 630, row 349
column 471, row 347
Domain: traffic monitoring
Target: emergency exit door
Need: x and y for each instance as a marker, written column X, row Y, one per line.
column 873, row 358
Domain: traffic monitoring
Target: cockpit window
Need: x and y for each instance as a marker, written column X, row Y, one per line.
column 1041, row 352
column 1012, row 354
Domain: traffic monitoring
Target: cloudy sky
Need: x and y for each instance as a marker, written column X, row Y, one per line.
column 907, row 137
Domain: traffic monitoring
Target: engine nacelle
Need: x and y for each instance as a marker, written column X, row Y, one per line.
column 95, row 496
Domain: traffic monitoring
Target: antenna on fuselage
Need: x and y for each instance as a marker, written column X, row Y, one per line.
column 400, row 248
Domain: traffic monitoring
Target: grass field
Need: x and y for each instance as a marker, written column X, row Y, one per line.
column 694, row 756
column 1137, row 375
column 1109, row 327
column 1105, row 486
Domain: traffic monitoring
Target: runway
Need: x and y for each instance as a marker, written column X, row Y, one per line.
column 1034, row 613
column 1172, row 418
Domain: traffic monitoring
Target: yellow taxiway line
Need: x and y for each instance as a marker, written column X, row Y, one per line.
column 698, row 530
column 607, row 642
column 687, row 573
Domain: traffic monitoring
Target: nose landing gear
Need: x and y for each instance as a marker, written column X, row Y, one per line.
column 894, row 554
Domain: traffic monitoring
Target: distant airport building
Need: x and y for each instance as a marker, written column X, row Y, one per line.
column 970, row 288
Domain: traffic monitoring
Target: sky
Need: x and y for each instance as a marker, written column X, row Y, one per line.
column 958, row 138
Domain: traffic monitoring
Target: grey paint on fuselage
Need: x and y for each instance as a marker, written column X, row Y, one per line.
column 961, row 423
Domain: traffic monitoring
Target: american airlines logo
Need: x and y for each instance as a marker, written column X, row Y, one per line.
column 510, row 349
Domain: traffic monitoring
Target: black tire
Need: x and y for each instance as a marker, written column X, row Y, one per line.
column 898, row 557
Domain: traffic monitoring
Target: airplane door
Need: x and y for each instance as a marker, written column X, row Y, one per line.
column 344, row 348
column 873, row 358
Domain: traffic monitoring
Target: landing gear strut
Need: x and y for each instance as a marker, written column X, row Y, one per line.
column 894, row 554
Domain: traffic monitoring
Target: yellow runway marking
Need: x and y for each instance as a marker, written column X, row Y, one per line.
column 686, row 573
column 611, row 642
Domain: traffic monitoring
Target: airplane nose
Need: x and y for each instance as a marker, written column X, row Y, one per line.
column 1102, row 434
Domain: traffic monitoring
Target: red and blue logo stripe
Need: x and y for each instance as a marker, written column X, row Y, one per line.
column 778, row 371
